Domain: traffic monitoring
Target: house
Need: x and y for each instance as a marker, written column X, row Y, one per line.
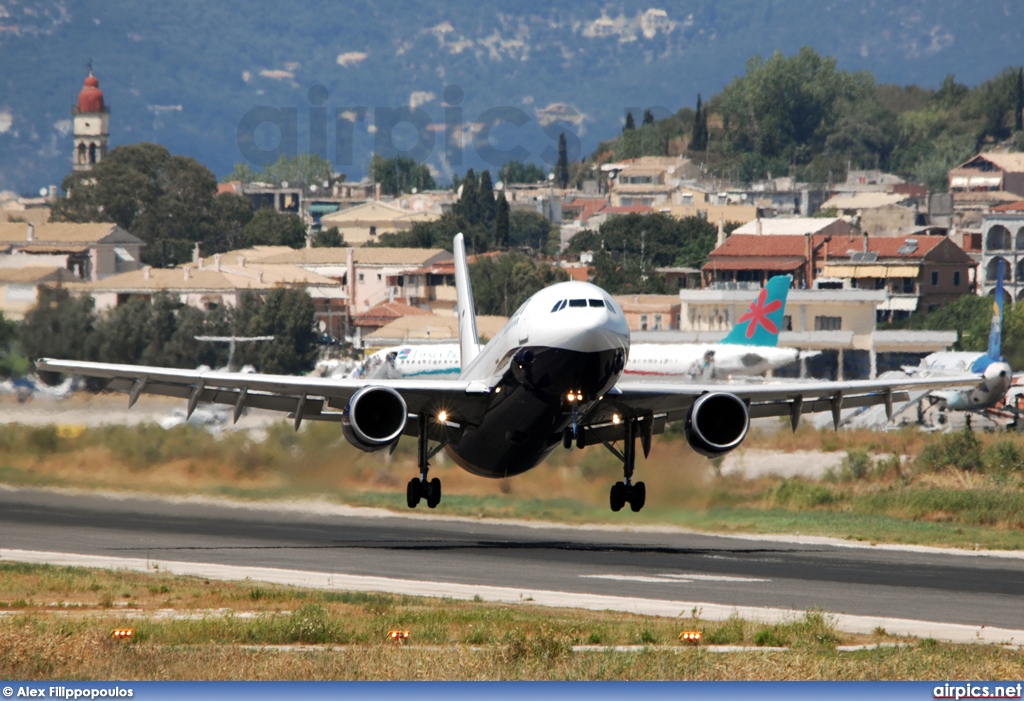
column 746, row 260
column 650, row 312
column 999, row 172
column 877, row 212
column 1002, row 239
column 19, row 287
column 90, row 251
column 383, row 314
column 921, row 273
column 365, row 223
column 430, row 328
column 797, row 226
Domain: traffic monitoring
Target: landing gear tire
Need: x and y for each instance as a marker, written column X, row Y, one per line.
column 567, row 437
column 434, row 493
column 617, row 498
column 413, row 492
column 638, row 496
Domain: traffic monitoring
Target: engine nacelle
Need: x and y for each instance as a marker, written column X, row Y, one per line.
column 717, row 423
column 374, row 418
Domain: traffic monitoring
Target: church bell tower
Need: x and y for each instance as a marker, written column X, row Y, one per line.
column 91, row 126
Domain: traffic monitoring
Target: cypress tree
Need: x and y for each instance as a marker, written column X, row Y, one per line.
column 468, row 204
column 485, row 199
column 502, row 233
column 562, row 168
column 648, row 117
column 1018, row 117
column 630, row 126
column 699, row 136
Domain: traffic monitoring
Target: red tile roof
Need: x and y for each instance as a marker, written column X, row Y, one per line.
column 884, row 246
column 386, row 312
column 1010, row 207
column 579, row 274
column 753, row 245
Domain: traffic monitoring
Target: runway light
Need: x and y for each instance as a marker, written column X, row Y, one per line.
column 616, row 419
column 122, row 633
column 399, row 636
column 691, row 637
column 442, row 416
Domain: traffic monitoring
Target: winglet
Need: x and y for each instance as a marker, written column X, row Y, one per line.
column 469, row 342
column 762, row 322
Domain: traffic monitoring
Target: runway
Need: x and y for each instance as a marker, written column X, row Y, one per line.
column 645, row 570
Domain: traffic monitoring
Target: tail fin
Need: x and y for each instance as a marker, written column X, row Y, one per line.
column 995, row 334
column 469, row 342
column 761, row 324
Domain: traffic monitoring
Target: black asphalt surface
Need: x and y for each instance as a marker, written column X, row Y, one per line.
column 933, row 586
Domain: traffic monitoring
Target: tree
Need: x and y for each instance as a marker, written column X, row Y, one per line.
column 230, row 215
column 519, row 172
column 485, row 199
column 269, row 227
column 648, row 118
column 329, row 238
column 286, row 314
column 59, row 326
column 562, row 167
column 699, row 136
column 165, row 200
column 629, row 126
column 502, row 283
column 529, row 230
column 501, row 223
column 468, row 206
column 400, row 175
column 1018, row 114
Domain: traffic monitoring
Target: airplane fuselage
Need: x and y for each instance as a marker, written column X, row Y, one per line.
column 570, row 338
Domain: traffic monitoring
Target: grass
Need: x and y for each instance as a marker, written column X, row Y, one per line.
column 188, row 628
column 919, row 498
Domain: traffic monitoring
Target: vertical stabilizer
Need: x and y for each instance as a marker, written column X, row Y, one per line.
column 761, row 324
column 469, row 343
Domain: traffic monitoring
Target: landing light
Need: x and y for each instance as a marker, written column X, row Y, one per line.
column 616, row 419
column 571, row 396
column 691, row 637
column 442, row 416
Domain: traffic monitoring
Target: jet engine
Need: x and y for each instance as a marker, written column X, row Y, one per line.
column 717, row 423
column 374, row 418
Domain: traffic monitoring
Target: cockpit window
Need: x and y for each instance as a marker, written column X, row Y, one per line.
column 596, row 302
column 577, row 302
column 559, row 306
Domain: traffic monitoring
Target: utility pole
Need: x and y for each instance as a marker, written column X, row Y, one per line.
column 231, row 341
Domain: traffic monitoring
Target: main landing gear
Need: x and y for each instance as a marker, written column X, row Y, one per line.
column 626, row 491
column 420, row 488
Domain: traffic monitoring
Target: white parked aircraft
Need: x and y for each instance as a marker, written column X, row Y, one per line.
column 996, row 372
column 551, row 376
column 751, row 348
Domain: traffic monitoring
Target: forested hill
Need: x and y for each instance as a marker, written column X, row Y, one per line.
column 184, row 74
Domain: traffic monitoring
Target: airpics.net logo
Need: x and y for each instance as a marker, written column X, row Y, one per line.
column 495, row 135
column 977, row 691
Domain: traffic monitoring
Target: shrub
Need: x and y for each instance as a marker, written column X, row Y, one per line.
column 729, row 632
column 800, row 494
column 857, row 463
column 961, row 450
column 1003, row 456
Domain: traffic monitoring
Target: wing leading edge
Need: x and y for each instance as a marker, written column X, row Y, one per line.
column 302, row 398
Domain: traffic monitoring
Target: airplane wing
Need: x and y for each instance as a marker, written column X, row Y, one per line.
column 302, row 398
column 661, row 403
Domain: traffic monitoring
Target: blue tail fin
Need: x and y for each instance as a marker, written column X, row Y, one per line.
column 995, row 334
column 761, row 324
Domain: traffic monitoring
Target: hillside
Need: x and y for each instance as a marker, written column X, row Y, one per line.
column 184, row 74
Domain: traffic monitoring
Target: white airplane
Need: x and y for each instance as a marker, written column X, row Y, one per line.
column 751, row 348
column 551, row 376
column 996, row 372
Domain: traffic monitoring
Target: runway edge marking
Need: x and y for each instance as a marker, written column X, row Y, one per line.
column 951, row 632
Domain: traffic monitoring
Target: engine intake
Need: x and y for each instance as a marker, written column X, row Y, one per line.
column 374, row 418
column 717, row 423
